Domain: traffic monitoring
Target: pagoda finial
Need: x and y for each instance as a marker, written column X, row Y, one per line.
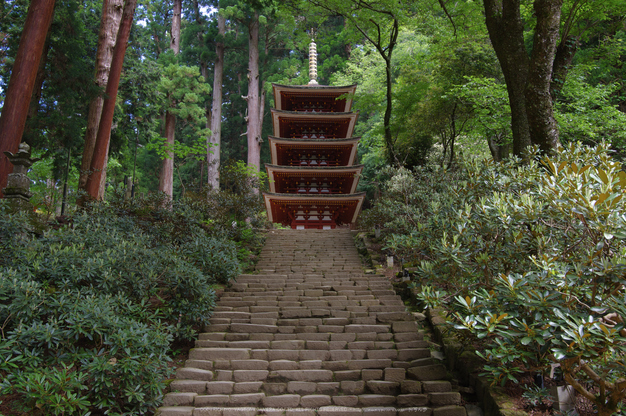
column 312, row 63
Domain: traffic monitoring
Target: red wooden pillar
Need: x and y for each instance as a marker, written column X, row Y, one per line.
column 22, row 81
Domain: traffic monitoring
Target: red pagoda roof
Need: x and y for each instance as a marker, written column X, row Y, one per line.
column 298, row 125
column 311, row 211
column 313, row 180
column 313, row 98
column 313, row 152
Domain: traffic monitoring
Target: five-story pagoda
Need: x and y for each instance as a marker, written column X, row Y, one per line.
column 312, row 176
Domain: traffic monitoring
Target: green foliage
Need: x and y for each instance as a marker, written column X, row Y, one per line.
column 186, row 90
column 213, row 256
column 59, row 391
column 90, row 309
column 237, row 207
column 489, row 102
column 536, row 396
column 533, row 255
column 587, row 112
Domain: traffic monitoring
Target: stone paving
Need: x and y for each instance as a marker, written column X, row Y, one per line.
column 311, row 334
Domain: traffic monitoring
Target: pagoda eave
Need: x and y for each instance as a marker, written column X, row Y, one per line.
column 287, row 151
column 285, row 96
column 330, row 126
column 296, row 210
column 345, row 178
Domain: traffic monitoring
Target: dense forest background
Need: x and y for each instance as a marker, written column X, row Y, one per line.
column 431, row 84
column 492, row 135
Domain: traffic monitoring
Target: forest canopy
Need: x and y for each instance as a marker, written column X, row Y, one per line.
column 435, row 82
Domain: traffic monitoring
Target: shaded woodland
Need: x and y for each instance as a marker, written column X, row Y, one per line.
column 492, row 135
column 436, row 80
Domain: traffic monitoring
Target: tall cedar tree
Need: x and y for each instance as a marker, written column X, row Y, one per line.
column 109, row 26
column 213, row 152
column 24, row 72
column 106, row 120
column 166, row 176
column 254, row 106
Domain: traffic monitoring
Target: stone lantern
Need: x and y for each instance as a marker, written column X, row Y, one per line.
column 18, row 184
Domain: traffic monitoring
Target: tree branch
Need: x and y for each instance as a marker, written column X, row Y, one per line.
column 445, row 10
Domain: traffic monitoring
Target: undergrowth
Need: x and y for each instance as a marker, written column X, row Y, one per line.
column 90, row 309
column 529, row 258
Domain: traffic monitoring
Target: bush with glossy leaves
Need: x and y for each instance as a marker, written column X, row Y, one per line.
column 533, row 257
column 89, row 310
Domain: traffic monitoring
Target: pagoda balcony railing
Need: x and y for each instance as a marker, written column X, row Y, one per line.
column 312, row 190
column 315, row 136
column 320, row 109
column 300, row 162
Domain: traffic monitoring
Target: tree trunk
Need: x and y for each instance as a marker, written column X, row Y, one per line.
column 29, row 129
column 94, row 178
column 391, row 152
column 542, row 125
column 506, row 31
column 527, row 79
column 254, row 129
column 175, row 40
column 213, row 152
column 499, row 151
column 166, row 177
column 22, row 81
column 109, row 26
column 563, row 59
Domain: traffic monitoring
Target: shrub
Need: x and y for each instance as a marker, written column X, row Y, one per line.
column 212, row 256
column 534, row 257
column 89, row 311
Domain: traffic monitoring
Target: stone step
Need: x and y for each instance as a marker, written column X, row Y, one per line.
column 407, row 392
column 279, row 405
column 279, row 341
column 199, row 368
column 299, row 327
column 403, row 340
column 311, row 334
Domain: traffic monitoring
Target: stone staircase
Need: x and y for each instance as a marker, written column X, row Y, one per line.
column 311, row 334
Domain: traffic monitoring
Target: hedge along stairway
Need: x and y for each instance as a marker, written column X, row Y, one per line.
column 311, row 334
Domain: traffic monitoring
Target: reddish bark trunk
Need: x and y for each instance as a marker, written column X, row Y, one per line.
column 106, row 120
column 213, row 154
column 166, row 176
column 254, row 130
column 109, row 26
column 23, row 74
column 29, row 130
